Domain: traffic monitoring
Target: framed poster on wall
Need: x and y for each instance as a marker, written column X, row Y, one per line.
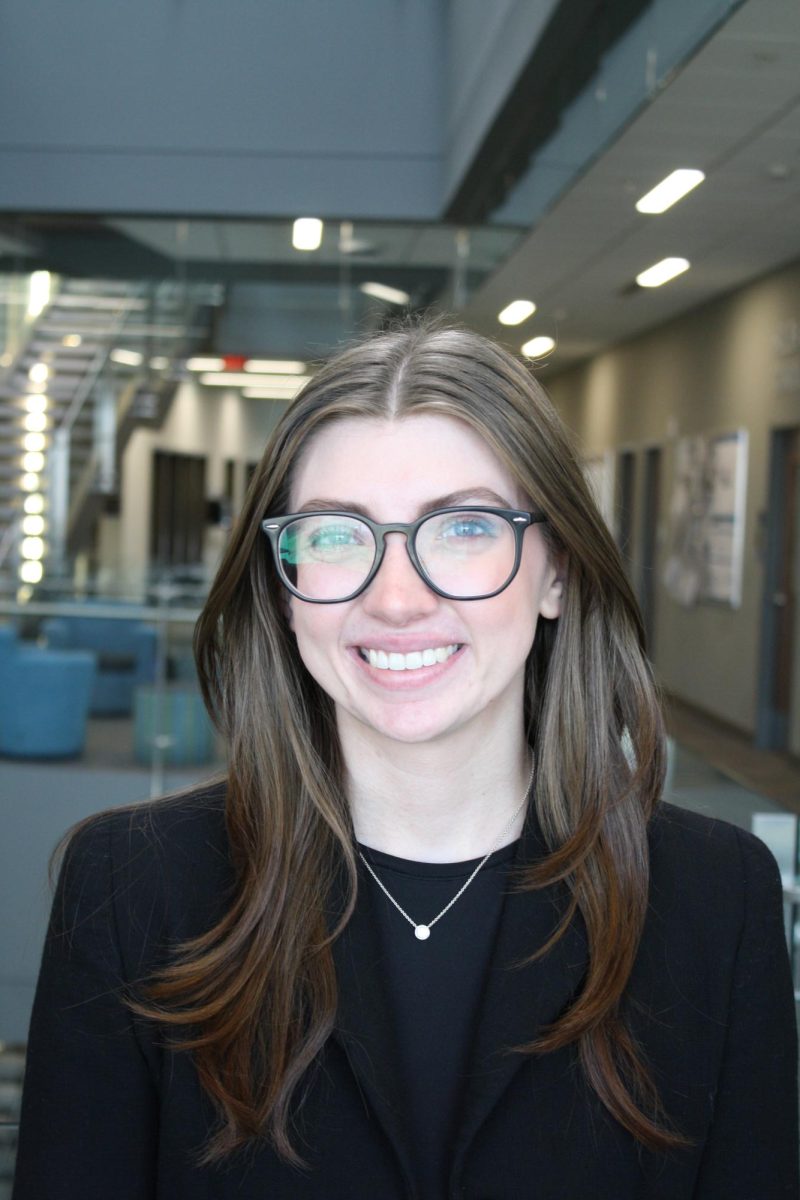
column 706, row 519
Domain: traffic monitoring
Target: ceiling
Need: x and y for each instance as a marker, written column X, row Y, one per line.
column 733, row 110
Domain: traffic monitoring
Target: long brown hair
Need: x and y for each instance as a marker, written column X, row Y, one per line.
column 254, row 998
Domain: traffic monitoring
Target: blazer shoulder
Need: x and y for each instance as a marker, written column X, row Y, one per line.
column 711, row 840
column 705, row 865
column 161, row 865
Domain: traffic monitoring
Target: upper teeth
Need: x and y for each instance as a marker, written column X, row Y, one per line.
column 408, row 662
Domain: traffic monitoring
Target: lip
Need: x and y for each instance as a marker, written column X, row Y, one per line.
column 405, row 681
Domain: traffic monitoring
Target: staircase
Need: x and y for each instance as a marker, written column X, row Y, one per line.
column 74, row 406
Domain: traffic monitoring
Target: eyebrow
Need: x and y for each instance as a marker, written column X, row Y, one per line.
column 481, row 494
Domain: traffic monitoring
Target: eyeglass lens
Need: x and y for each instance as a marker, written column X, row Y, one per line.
column 466, row 554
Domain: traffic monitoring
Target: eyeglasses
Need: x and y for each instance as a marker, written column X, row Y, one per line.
column 460, row 553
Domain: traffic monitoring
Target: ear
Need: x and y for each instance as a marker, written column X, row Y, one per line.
column 554, row 584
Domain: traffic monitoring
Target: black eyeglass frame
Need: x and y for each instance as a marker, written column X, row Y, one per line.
column 518, row 519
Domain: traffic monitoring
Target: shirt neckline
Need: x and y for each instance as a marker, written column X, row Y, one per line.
column 444, row 870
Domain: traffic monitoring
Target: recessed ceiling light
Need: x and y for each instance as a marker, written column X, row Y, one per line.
column 200, row 363
column 669, row 191
column 307, row 233
column 382, row 291
column 516, row 312
column 662, row 272
column 274, row 366
column 72, row 340
column 539, row 346
column 127, row 358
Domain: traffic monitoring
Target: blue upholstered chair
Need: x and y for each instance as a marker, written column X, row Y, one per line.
column 125, row 651
column 44, row 702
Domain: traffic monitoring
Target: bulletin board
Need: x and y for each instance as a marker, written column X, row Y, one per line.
column 706, row 519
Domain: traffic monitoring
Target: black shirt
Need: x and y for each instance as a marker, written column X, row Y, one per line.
column 434, row 989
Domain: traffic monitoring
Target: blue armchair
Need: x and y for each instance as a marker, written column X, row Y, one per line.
column 125, row 651
column 44, row 702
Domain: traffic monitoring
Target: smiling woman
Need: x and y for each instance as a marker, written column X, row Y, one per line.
column 429, row 667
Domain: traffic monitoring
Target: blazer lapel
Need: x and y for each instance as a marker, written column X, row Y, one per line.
column 519, row 1001
column 363, row 1026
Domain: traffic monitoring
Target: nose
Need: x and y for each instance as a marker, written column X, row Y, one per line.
column 397, row 594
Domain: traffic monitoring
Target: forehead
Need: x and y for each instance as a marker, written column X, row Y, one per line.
column 385, row 463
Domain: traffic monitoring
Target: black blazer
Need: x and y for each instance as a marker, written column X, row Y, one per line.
column 108, row 1114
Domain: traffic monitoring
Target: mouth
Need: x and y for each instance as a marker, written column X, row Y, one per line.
column 415, row 660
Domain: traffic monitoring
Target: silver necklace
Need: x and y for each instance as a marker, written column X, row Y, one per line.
column 423, row 932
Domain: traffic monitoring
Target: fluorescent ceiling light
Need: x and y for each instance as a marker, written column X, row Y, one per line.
column 38, row 292
column 127, row 358
column 669, row 191
column 516, row 312
column 307, row 233
column 205, row 364
column 539, row 346
column 159, row 363
column 72, row 340
column 662, row 272
column 238, row 379
column 268, row 391
column 382, row 291
column 274, row 366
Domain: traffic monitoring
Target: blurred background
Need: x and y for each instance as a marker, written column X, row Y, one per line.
column 200, row 202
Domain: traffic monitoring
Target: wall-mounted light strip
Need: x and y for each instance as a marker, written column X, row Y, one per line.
column 662, row 272
column 669, row 191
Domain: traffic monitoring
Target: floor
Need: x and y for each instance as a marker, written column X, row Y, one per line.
column 768, row 774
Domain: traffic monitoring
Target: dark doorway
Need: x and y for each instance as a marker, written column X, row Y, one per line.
column 779, row 606
column 626, row 482
column 649, row 541
column 179, row 509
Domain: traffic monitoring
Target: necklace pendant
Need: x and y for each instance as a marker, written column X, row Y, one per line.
column 422, row 932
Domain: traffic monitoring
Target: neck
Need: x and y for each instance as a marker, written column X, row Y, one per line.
column 435, row 802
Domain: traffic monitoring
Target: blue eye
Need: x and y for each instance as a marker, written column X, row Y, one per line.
column 469, row 527
column 331, row 536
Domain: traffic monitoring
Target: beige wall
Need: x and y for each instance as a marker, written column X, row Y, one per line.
column 217, row 424
column 723, row 367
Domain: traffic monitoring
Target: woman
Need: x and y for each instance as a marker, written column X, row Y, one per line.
column 433, row 936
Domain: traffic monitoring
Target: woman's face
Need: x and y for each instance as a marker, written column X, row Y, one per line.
column 396, row 471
